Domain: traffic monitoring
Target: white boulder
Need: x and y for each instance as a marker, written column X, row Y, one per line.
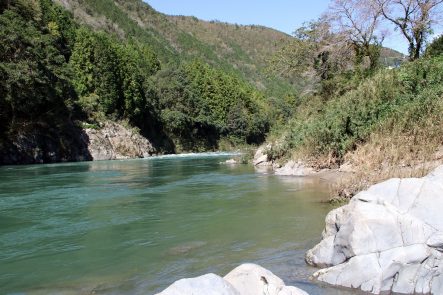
column 387, row 239
column 247, row 279
column 261, row 158
column 208, row 284
column 252, row 279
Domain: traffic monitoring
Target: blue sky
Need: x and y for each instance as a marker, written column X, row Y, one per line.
column 283, row 15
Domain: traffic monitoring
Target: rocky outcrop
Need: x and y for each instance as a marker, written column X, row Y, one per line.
column 69, row 143
column 387, row 239
column 42, row 143
column 261, row 157
column 247, row 279
column 114, row 141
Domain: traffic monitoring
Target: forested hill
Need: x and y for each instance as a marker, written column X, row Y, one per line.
column 242, row 50
column 70, row 65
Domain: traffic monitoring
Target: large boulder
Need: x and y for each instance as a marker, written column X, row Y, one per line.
column 247, row 279
column 387, row 239
column 252, row 279
column 209, row 284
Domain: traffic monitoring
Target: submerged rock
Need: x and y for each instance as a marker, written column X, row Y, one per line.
column 247, row 279
column 185, row 248
column 387, row 239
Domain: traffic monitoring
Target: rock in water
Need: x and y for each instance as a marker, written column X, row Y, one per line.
column 293, row 168
column 209, row 284
column 261, row 158
column 185, row 248
column 252, row 279
column 387, row 239
column 247, row 279
column 231, row 161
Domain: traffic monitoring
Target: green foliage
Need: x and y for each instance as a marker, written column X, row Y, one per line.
column 35, row 77
column 435, row 48
column 391, row 99
column 202, row 104
column 113, row 76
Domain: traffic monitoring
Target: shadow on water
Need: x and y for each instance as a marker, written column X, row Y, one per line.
column 134, row 227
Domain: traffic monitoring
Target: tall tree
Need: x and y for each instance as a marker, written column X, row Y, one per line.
column 359, row 22
column 316, row 51
column 414, row 19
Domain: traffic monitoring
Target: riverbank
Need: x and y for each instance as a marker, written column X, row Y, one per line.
column 75, row 143
column 353, row 176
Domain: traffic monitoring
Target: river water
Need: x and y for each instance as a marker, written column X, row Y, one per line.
column 136, row 226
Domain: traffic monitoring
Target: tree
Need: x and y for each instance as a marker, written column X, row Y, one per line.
column 359, row 22
column 316, row 52
column 35, row 77
column 96, row 65
column 435, row 48
column 414, row 19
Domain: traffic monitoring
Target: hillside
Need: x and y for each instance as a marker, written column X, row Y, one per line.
column 242, row 50
column 64, row 72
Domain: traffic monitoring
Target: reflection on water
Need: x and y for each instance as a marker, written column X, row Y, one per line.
column 134, row 227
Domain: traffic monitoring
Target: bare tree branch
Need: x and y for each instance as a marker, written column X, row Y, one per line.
column 414, row 19
column 359, row 20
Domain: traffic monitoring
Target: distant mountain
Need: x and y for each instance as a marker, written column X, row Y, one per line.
column 391, row 58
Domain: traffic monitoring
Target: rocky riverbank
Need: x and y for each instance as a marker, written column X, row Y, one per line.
column 349, row 178
column 70, row 143
column 263, row 163
column 389, row 238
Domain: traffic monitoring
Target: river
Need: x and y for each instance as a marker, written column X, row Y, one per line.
column 136, row 226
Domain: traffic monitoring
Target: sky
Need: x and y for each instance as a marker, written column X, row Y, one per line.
column 283, row 15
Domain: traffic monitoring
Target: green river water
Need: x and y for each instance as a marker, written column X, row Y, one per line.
column 136, row 226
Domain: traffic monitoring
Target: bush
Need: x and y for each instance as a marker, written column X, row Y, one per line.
column 435, row 48
column 400, row 99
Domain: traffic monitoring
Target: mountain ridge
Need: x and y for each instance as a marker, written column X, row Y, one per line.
column 227, row 46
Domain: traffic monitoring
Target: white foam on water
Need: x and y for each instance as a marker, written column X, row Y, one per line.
column 195, row 155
